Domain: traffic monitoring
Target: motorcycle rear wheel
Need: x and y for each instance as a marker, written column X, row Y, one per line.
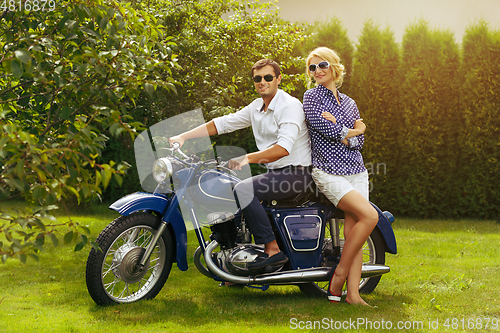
column 111, row 273
column 373, row 253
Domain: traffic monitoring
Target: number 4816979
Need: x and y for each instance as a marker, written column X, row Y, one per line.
column 28, row 5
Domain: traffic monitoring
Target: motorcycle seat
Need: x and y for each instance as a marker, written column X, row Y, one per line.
column 298, row 200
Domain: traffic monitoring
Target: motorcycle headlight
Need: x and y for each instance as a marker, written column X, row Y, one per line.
column 162, row 169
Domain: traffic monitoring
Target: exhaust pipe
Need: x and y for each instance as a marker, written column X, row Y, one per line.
column 315, row 274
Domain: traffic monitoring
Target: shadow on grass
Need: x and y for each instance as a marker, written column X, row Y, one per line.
column 229, row 307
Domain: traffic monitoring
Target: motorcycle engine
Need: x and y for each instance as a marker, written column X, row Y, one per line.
column 235, row 260
column 235, row 244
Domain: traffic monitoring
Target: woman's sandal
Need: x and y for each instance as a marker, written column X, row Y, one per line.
column 333, row 298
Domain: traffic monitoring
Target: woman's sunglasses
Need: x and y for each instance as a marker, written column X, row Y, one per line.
column 321, row 65
column 268, row 78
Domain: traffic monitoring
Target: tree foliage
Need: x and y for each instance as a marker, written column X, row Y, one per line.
column 217, row 43
column 67, row 79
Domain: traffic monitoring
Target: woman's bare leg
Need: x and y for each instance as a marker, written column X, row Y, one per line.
column 354, row 275
column 366, row 217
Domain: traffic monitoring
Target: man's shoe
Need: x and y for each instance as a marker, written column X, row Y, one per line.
column 265, row 260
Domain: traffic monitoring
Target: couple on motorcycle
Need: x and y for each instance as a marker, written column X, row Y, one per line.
column 326, row 133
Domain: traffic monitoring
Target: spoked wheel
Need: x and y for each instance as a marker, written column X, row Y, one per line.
column 373, row 253
column 113, row 275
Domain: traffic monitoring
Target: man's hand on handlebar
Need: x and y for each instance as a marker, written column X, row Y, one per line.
column 237, row 162
column 176, row 139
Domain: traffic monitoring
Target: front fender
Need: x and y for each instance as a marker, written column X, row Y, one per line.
column 140, row 201
column 384, row 225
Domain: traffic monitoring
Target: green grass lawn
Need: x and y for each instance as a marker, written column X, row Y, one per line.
column 445, row 276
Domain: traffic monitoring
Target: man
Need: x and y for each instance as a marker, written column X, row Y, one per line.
column 281, row 135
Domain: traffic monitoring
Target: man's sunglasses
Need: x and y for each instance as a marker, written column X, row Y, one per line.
column 268, row 78
column 321, row 65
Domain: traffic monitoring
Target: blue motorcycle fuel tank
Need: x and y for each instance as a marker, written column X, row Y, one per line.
column 214, row 189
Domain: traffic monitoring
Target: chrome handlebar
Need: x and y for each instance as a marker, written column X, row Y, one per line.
column 176, row 147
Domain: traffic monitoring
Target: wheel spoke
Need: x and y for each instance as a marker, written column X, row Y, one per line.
column 112, row 284
column 132, row 236
column 123, row 292
column 153, row 260
column 111, row 267
column 146, row 241
column 128, row 291
column 153, row 268
column 122, row 239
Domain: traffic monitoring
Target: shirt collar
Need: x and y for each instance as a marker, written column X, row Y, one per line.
column 272, row 106
column 327, row 92
column 261, row 107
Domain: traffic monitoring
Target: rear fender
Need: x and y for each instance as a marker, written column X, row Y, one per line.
column 384, row 225
column 140, row 201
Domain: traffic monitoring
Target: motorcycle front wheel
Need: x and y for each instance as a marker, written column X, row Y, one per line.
column 373, row 253
column 112, row 275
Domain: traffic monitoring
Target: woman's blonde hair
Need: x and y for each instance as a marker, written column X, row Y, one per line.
column 333, row 59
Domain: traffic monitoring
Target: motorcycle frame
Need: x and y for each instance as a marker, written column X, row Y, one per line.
column 168, row 209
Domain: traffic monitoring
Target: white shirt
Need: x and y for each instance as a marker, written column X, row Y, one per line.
column 283, row 124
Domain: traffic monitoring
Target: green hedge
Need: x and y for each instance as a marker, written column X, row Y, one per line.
column 480, row 103
column 433, row 122
column 430, row 107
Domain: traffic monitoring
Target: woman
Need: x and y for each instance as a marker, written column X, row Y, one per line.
column 337, row 135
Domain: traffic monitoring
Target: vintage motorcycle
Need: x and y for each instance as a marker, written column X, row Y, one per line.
column 137, row 250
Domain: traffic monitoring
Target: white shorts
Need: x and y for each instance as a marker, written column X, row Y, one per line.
column 334, row 187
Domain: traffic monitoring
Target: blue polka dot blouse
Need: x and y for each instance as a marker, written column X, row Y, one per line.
column 328, row 152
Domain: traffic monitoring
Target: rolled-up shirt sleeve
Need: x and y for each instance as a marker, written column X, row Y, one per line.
column 356, row 142
column 289, row 119
column 313, row 109
column 287, row 134
column 234, row 121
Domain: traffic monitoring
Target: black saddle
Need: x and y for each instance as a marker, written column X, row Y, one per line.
column 313, row 194
column 302, row 200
